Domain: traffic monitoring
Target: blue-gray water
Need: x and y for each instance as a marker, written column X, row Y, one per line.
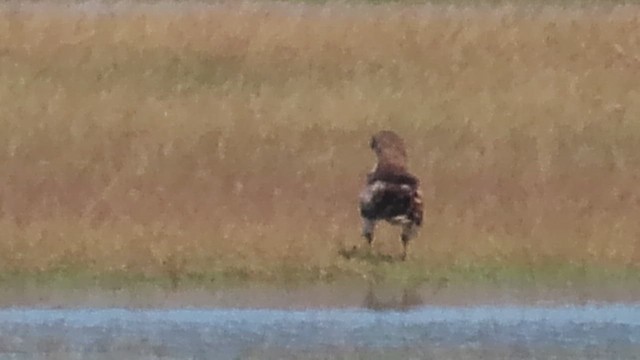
column 590, row 331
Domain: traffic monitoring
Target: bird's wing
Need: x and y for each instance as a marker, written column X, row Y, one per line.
column 383, row 200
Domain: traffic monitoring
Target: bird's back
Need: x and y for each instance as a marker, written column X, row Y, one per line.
column 391, row 192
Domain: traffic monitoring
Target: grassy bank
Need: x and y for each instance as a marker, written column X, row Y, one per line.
column 184, row 140
column 506, row 276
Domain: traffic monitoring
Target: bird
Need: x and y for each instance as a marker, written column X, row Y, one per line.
column 391, row 193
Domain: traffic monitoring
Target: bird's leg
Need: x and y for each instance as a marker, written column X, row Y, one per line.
column 368, row 226
column 408, row 231
column 405, row 244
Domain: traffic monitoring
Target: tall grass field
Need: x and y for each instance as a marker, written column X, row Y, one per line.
column 189, row 139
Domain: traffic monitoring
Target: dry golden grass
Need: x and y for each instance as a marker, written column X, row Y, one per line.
column 197, row 138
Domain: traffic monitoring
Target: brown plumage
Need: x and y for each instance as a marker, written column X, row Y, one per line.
column 391, row 193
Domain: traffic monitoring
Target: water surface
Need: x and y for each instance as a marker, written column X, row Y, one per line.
column 572, row 331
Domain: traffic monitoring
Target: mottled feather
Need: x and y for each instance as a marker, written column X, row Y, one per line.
column 391, row 193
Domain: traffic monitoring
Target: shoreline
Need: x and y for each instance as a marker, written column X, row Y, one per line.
column 451, row 287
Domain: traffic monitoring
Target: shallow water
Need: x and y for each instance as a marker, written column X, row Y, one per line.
column 587, row 331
